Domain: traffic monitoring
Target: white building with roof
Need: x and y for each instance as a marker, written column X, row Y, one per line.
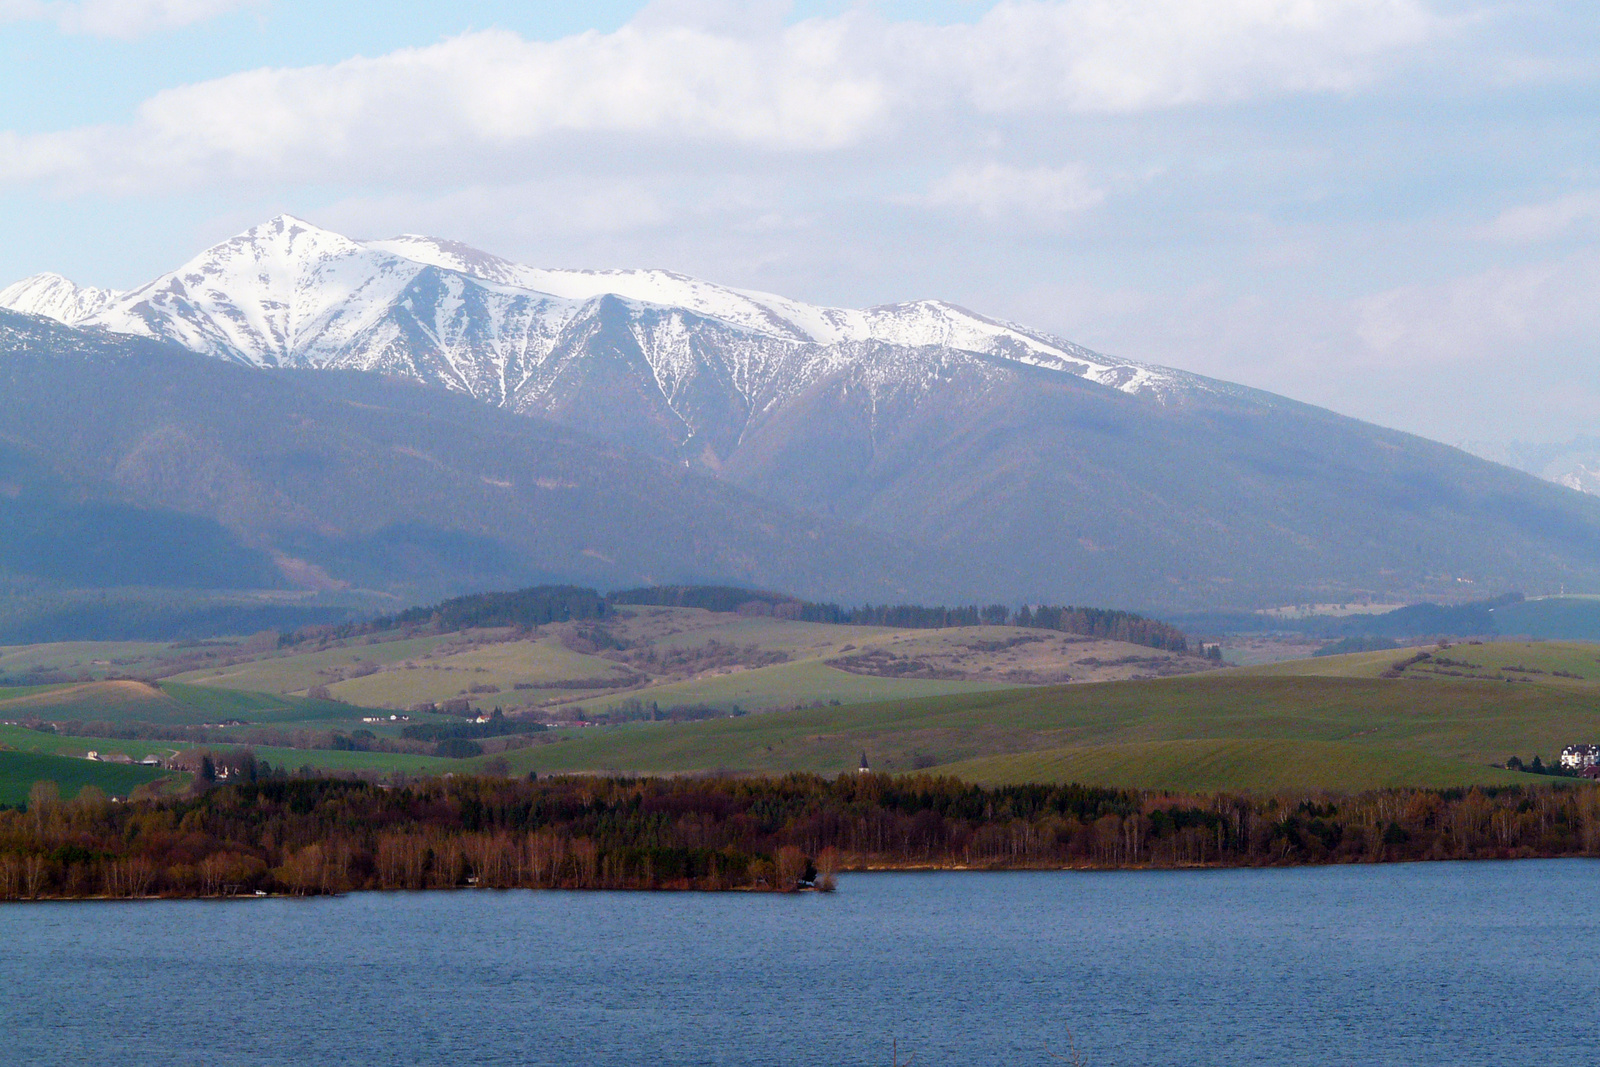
column 1580, row 757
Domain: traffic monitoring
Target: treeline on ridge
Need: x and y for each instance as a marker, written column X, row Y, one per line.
column 321, row 835
column 545, row 604
column 1103, row 623
column 536, row 606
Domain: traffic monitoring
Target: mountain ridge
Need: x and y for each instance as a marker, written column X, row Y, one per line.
column 1032, row 468
column 287, row 293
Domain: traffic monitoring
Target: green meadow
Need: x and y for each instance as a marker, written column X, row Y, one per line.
column 294, row 671
column 1228, row 730
column 21, row 740
column 166, row 704
column 804, row 682
column 20, row 770
column 1564, row 664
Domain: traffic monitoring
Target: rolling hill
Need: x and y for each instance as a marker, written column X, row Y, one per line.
column 20, row 770
column 1229, row 730
column 1334, row 724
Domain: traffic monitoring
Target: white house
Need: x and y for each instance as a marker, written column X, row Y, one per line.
column 1580, row 757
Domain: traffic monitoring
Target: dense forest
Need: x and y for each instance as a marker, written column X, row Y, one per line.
column 319, row 835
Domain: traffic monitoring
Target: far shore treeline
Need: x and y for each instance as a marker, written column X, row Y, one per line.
column 545, row 604
column 322, row 835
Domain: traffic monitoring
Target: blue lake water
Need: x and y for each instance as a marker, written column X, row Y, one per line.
column 1424, row 964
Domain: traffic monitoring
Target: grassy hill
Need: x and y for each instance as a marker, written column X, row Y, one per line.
column 1338, row 723
column 686, row 656
column 1233, row 730
column 19, row 739
column 20, row 770
column 166, row 703
column 1573, row 665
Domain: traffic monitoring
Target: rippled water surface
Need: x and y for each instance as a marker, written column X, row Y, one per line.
column 1427, row 964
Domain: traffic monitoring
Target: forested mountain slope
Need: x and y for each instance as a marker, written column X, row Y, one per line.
column 130, row 462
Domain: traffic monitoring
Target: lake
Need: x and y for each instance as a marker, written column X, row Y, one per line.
column 1418, row 964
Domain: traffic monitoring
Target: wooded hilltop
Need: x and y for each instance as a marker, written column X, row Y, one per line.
column 543, row 604
column 323, row 835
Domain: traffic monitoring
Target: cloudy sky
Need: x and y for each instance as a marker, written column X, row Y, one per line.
column 1388, row 207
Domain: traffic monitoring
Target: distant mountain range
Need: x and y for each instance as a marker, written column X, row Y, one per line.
column 1574, row 463
column 915, row 450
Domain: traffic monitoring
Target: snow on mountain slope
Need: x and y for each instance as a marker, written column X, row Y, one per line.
column 55, row 297
column 699, row 361
column 920, row 323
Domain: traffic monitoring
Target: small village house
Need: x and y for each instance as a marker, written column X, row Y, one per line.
column 1580, row 757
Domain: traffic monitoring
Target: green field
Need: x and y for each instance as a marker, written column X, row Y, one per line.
column 95, row 657
column 690, row 656
column 1513, row 662
column 293, row 759
column 20, row 770
column 790, row 683
column 1238, row 727
column 1325, row 723
column 9, row 692
column 167, row 704
column 24, row 740
column 292, row 671
column 501, row 666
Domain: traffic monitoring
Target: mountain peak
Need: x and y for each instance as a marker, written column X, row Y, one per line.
column 53, row 296
column 285, row 232
column 287, row 292
column 286, row 223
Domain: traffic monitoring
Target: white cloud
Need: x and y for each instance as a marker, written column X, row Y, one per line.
column 1126, row 55
column 1037, row 193
column 1561, row 217
column 814, row 86
column 1516, row 311
column 119, row 18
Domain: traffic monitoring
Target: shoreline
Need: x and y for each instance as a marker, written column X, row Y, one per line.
column 317, row 837
column 1188, row 868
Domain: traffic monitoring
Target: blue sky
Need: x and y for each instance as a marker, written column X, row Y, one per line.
column 1388, row 207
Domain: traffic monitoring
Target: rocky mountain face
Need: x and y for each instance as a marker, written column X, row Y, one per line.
column 1031, row 467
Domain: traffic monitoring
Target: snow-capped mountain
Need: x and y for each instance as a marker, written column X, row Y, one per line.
column 703, row 360
column 912, row 449
column 57, row 298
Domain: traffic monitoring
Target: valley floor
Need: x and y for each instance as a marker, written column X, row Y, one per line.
column 1437, row 717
